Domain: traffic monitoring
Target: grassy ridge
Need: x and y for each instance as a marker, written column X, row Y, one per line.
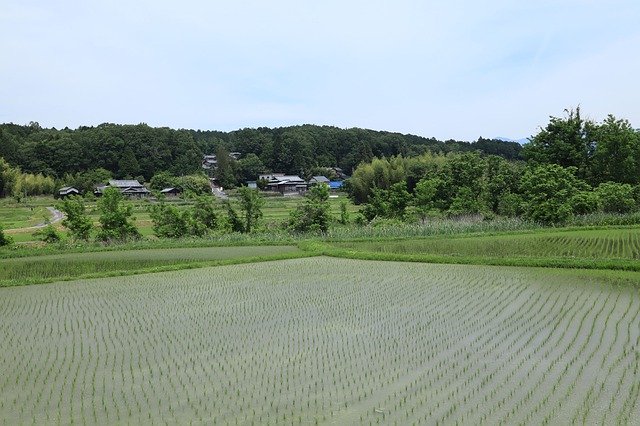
column 31, row 270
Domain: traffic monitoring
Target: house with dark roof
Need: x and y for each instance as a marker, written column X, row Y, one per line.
column 128, row 187
column 171, row 192
column 68, row 191
column 285, row 184
column 318, row 179
column 210, row 161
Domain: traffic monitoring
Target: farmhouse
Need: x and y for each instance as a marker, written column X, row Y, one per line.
column 67, row 191
column 318, row 179
column 210, row 161
column 171, row 192
column 130, row 187
column 285, row 184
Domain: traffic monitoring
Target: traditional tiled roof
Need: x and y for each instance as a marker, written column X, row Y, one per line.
column 128, row 183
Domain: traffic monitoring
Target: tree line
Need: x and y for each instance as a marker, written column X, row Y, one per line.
column 571, row 167
column 201, row 217
column 141, row 151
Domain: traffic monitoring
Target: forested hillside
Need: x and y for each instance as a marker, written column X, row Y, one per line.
column 141, row 150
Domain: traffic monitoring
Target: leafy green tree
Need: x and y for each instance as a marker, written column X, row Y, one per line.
column 251, row 203
column 9, row 179
column 563, row 142
column 510, row 204
column 378, row 205
column 313, row 215
column 204, row 214
column 499, row 177
column 615, row 197
column 399, row 200
column 614, row 158
column 193, row 185
column 233, row 218
column 547, row 190
column 76, row 219
column 380, row 173
column 636, row 196
column 224, row 172
column 128, row 163
column 163, row 180
column 249, row 167
column 115, row 217
column 86, row 181
column 584, row 202
column 464, row 203
column 426, row 196
column 345, row 217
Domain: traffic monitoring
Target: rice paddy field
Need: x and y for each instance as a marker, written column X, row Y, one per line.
column 325, row 341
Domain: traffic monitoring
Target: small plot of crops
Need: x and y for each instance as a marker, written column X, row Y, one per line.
column 596, row 244
column 29, row 269
column 323, row 340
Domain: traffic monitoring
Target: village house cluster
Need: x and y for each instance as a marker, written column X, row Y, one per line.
column 269, row 182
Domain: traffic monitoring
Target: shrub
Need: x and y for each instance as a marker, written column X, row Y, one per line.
column 615, row 197
column 584, row 202
column 5, row 240
column 48, row 234
column 168, row 221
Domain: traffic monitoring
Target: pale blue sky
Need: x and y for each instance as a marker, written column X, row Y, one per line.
column 450, row 69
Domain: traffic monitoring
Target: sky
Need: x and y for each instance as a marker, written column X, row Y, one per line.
column 450, row 69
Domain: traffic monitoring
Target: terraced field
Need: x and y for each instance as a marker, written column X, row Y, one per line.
column 324, row 340
column 619, row 248
column 49, row 267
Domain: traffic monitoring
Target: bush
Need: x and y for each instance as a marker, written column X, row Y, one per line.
column 510, row 205
column 168, row 221
column 584, row 202
column 48, row 234
column 615, row 197
column 5, row 240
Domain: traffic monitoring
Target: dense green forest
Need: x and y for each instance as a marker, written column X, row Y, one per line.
column 141, row 150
